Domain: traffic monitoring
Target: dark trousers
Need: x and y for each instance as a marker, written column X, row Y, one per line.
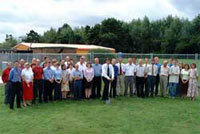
column 151, row 84
column 83, row 87
column 78, row 89
column 157, row 84
column 71, row 87
column 15, row 91
column 48, row 90
column 113, row 91
column 145, row 86
column 8, row 86
column 57, row 91
column 96, row 87
column 106, row 88
column 37, row 90
column 140, row 86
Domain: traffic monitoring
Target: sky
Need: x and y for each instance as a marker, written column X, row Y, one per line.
column 18, row 17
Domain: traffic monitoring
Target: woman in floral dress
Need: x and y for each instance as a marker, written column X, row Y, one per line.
column 193, row 89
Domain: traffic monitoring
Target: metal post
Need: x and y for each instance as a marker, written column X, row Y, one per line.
column 196, row 56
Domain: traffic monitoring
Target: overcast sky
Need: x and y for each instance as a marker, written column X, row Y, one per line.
column 18, row 17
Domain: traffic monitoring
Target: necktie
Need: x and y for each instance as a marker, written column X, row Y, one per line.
column 152, row 70
column 108, row 71
column 120, row 69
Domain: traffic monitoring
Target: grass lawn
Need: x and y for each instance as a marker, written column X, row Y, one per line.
column 123, row 116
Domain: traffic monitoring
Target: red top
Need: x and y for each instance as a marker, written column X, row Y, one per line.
column 38, row 72
column 5, row 75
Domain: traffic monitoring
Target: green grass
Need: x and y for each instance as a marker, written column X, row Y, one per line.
column 123, row 116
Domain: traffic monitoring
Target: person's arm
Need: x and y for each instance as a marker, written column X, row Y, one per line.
column 112, row 72
column 104, row 73
column 3, row 76
column 10, row 75
column 92, row 74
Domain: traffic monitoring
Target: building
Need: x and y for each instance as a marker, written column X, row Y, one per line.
column 56, row 48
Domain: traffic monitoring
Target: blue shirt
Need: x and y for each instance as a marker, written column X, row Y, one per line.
column 58, row 74
column 48, row 73
column 15, row 74
column 77, row 73
column 97, row 69
column 159, row 67
column 169, row 65
column 115, row 70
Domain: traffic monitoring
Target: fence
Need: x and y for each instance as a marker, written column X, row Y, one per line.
column 186, row 58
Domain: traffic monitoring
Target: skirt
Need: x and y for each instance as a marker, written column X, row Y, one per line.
column 88, row 84
column 27, row 91
column 184, row 89
column 65, row 87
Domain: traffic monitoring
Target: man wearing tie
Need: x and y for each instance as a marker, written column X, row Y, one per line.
column 152, row 72
column 120, row 77
column 15, row 79
column 108, row 76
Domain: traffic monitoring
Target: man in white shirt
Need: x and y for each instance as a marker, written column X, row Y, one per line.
column 173, row 79
column 146, row 65
column 108, row 76
column 140, row 74
column 82, row 67
column 67, row 61
column 130, row 71
column 120, row 77
column 152, row 72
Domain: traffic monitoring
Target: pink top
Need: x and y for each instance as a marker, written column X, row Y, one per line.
column 89, row 74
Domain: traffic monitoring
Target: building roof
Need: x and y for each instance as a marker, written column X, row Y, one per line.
column 28, row 46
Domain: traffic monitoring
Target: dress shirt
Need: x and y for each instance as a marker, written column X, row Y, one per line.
column 53, row 68
column 185, row 74
column 164, row 71
column 77, row 73
column 155, row 70
column 58, row 74
column 89, row 74
column 169, row 65
column 28, row 74
column 123, row 66
column 104, row 71
column 130, row 69
column 15, row 74
column 97, row 69
column 174, row 74
column 159, row 67
column 48, row 73
column 38, row 72
column 140, row 71
column 5, row 75
column 82, row 67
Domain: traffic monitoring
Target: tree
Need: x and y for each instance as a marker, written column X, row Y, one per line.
column 49, row 36
column 32, row 37
column 9, row 42
column 65, row 34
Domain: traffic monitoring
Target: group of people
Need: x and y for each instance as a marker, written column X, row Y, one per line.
column 52, row 80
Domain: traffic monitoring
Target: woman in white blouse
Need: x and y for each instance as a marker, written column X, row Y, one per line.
column 164, row 73
column 89, row 75
column 27, row 76
column 185, row 80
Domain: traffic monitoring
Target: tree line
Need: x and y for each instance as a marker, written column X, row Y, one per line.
column 167, row 35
